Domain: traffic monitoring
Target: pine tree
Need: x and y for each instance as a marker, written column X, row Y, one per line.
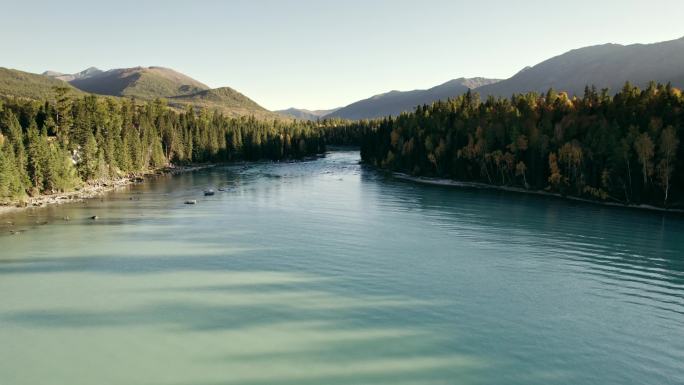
column 9, row 126
column 88, row 159
column 62, row 175
column 11, row 185
column 38, row 159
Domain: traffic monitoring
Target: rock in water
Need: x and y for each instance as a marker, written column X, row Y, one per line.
column 191, row 202
column 94, row 217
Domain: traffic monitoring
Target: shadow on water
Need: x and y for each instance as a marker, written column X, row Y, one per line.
column 270, row 323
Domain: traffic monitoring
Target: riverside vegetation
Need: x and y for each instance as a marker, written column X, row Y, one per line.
column 623, row 148
column 55, row 146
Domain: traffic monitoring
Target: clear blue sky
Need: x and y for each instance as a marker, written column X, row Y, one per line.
column 321, row 54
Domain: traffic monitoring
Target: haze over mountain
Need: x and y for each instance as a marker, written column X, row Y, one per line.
column 605, row 66
column 394, row 103
column 304, row 114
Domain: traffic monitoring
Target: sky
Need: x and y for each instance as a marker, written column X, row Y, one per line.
column 321, row 54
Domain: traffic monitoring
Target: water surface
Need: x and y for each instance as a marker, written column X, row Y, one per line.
column 325, row 272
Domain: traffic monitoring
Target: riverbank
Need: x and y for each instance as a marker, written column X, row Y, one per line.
column 94, row 189
column 455, row 183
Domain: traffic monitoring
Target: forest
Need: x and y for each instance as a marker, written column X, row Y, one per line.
column 54, row 146
column 622, row 148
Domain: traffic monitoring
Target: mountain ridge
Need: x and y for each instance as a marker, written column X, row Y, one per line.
column 141, row 82
column 395, row 102
column 149, row 83
column 304, row 114
column 86, row 73
column 604, row 66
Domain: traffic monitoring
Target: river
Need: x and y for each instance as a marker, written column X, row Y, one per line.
column 327, row 272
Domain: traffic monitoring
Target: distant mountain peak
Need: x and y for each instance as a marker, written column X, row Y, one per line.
column 141, row 82
column 149, row 83
column 91, row 70
column 304, row 114
column 86, row 73
column 52, row 74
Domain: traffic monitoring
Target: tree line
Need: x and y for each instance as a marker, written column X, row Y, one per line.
column 620, row 148
column 49, row 147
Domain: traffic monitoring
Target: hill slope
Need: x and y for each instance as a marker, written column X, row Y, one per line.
column 605, row 66
column 395, row 102
column 140, row 82
column 28, row 85
column 304, row 114
column 226, row 100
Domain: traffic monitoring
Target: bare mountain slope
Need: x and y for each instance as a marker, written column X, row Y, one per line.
column 605, row 66
column 395, row 102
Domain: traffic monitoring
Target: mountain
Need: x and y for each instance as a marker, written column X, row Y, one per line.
column 140, row 82
column 53, row 74
column 303, row 114
column 224, row 99
column 143, row 83
column 395, row 102
column 88, row 72
column 605, row 66
column 28, row 85
column 148, row 83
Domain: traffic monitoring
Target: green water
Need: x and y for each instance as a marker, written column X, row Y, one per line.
column 325, row 272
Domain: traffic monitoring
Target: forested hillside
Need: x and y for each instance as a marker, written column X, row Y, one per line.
column 31, row 86
column 48, row 147
column 623, row 148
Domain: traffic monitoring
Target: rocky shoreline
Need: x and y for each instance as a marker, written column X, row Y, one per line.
column 455, row 183
column 94, row 189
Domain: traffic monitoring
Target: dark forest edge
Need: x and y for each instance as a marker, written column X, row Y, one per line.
column 622, row 149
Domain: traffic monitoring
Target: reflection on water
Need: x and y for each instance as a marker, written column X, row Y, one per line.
column 324, row 272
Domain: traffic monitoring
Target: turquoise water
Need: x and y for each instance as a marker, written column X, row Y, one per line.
column 325, row 272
